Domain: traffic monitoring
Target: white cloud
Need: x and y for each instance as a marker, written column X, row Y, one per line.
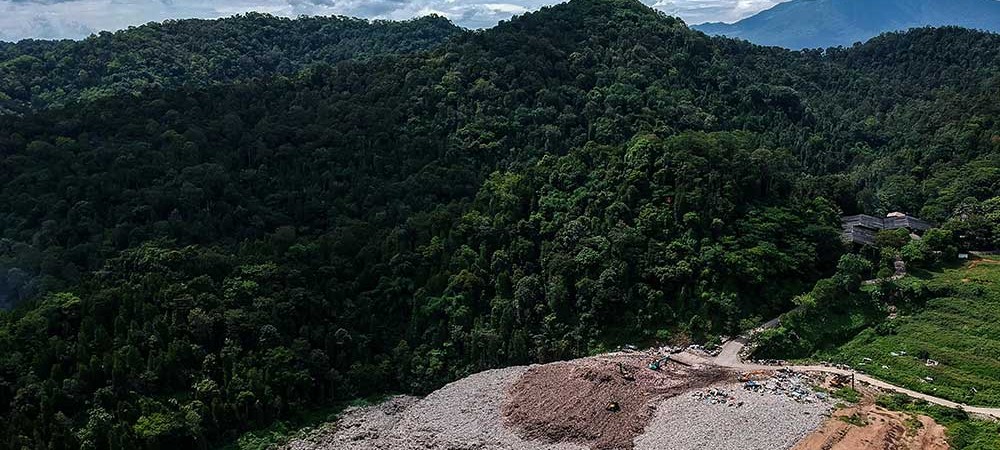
column 505, row 8
column 53, row 19
column 700, row 11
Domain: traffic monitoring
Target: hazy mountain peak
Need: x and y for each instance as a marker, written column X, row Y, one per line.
column 828, row 23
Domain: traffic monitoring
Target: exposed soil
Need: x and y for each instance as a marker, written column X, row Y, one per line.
column 873, row 427
column 603, row 403
column 869, row 426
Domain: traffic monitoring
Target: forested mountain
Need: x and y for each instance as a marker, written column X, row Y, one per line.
column 798, row 24
column 198, row 52
column 193, row 261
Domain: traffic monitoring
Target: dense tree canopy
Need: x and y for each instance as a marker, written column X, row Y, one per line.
column 197, row 52
column 192, row 259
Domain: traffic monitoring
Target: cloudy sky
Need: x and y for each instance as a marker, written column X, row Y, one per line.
column 51, row 19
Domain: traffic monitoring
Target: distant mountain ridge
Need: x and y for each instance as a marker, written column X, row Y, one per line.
column 801, row 24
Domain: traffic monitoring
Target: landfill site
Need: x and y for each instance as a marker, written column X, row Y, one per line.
column 624, row 400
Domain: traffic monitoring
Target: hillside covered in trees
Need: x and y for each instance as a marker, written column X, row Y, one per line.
column 38, row 74
column 187, row 260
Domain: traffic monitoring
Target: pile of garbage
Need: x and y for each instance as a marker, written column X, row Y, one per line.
column 788, row 383
column 838, row 365
column 701, row 348
column 768, row 362
column 717, row 397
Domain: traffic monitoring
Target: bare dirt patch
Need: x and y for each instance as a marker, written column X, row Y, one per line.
column 867, row 425
column 602, row 403
column 871, row 426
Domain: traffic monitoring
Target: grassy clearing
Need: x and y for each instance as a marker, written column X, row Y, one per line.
column 847, row 394
column 955, row 320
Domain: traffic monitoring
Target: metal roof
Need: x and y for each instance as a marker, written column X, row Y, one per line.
column 862, row 228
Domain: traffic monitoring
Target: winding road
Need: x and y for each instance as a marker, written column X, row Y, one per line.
column 729, row 357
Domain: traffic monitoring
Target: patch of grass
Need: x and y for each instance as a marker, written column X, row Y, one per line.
column 913, row 424
column 855, row 419
column 951, row 316
column 847, row 394
column 964, row 432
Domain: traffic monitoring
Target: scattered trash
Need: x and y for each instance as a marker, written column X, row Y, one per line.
column 885, row 367
column 788, row 383
column 840, row 380
column 700, row 348
column 932, row 363
column 717, row 397
column 764, row 421
column 668, row 350
column 768, row 362
column 613, row 407
column 894, row 353
column 626, row 374
column 756, row 375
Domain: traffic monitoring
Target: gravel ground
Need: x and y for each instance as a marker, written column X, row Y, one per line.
column 356, row 425
column 764, row 422
column 466, row 415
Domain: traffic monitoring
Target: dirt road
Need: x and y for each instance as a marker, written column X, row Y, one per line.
column 729, row 357
column 993, row 413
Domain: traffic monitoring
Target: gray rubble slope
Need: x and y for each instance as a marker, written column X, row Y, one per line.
column 466, row 415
